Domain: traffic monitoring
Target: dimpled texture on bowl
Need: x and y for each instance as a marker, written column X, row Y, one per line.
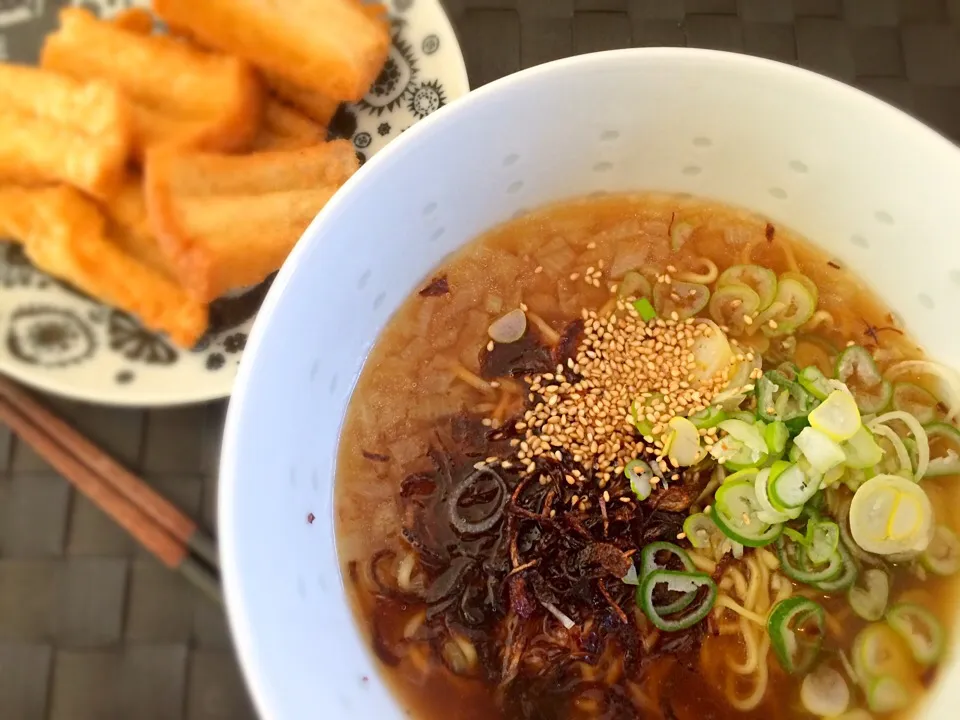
column 875, row 187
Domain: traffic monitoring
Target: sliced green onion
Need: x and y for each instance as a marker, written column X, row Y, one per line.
column 915, row 400
column 741, row 378
column 761, row 280
column 902, row 465
column 676, row 582
column 861, row 450
column 857, row 370
column 649, row 564
column 820, row 450
column 644, row 309
column 833, row 476
column 797, row 566
column 731, row 303
column 683, row 443
column 822, row 539
column 693, row 298
column 948, row 388
column 847, row 576
column 736, row 455
column 634, row 285
column 791, row 308
column 640, row 475
column 711, row 351
column 942, row 555
column 796, row 628
column 735, row 513
column 923, row 443
column 837, row 417
column 886, row 694
column 795, row 535
column 779, row 398
column 824, row 692
column 789, row 370
column 891, row 515
column 808, row 284
column 846, row 537
column 701, row 530
column 921, row 631
column 878, row 651
column 708, row 417
column 747, row 433
column 768, row 512
column 776, row 435
column 854, row 478
column 944, row 443
column 791, row 488
column 870, row 601
column 768, row 387
column 814, row 382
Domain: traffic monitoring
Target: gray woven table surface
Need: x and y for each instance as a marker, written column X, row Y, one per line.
column 91, row 628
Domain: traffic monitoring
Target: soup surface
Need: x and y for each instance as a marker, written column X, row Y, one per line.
column 648, row 456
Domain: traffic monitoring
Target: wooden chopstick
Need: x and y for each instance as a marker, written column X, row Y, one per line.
column 152, row 520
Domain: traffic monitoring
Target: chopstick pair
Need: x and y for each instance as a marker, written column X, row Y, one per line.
column 150, row 518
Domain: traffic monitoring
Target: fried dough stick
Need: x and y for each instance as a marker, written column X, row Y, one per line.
column 181, row 95
column 58, row 129
column 315, row 105
column 129, row 227
column 285, row 128
column 294, row 117
column 64, row 234
column 335, row 47
column 227, row 221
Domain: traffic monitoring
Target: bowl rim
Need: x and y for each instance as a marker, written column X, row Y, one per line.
column 241, row 627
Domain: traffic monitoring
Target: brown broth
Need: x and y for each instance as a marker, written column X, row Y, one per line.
column 410, row 383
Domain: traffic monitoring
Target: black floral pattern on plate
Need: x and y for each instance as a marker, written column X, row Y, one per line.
column 50, row 337
column 235, row 343
column 426, row 99
column 430, row 44
column 215, row 361
column 15, row 269
column 129, row 338
column 394, row 81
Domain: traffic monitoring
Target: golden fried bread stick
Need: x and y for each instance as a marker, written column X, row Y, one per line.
column 228, row 221
column 58, row 129
column 335, row 47
column 181, row 95
column 64, row 234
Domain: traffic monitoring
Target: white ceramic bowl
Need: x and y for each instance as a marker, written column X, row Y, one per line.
column 874, row 186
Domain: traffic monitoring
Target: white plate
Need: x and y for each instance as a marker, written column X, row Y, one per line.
column 847, row 171
column 59, row 341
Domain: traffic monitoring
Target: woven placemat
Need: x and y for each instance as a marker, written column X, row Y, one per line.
column 92, row 629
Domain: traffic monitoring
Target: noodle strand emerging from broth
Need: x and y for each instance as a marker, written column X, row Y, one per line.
column 749, row 596
column 709, row 274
